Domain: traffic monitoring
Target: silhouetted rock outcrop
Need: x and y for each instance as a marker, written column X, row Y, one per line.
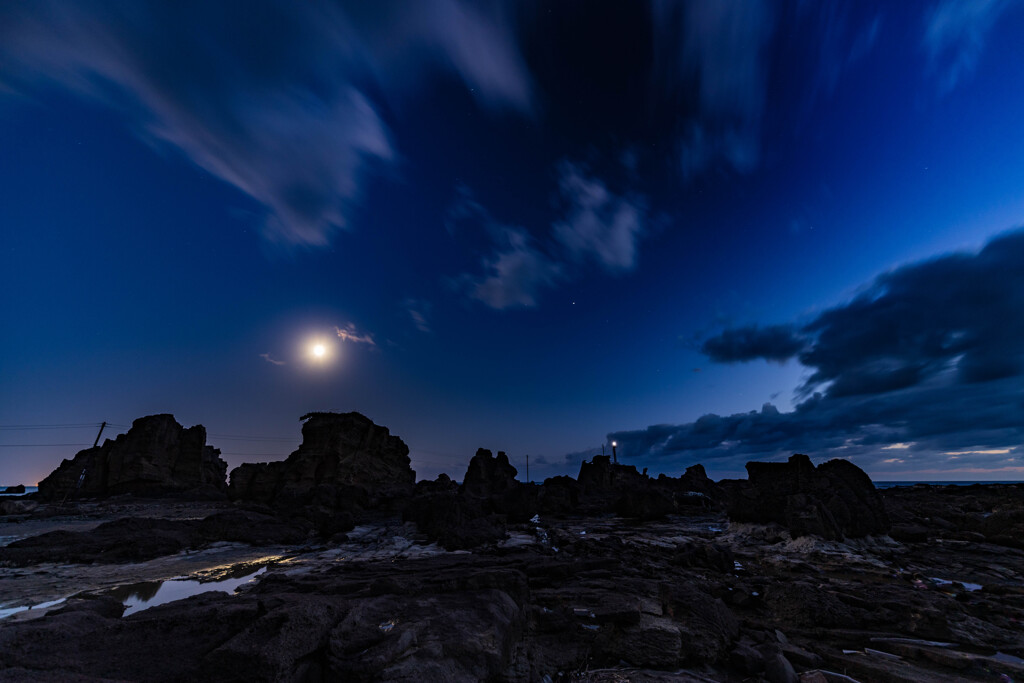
column 345, row 462
column 478, row 511
column 16, row 489
column 157, row 456
column 834, row 500
column 491, row 481
column 489, row 476
column 606, row 486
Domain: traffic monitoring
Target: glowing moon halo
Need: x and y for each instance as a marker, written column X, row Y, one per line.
column 319, row 351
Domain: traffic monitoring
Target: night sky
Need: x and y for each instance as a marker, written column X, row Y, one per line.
column 712, row 231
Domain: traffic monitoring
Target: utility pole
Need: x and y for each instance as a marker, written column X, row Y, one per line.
column 527, row 468
column 615, row 458
column 99, row 435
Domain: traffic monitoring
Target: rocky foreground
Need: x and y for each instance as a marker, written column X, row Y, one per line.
column 799, row 573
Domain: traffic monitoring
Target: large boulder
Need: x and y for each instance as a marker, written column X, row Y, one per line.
column 345, row 461
column 833, row 501
column 157, row 456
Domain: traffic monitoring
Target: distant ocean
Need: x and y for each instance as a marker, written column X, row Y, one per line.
column 891, row 484
column 878, row 484
column 28, row 489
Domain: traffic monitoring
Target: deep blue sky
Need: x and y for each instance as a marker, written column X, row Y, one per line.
column 530, row 226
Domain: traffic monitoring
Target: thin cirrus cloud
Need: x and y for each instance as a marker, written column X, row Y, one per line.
column 596, row 225
column 419, row 314
column 349, row 333
column 269, row 97
column 714, row 51
column 270, row 359
column 928, row 360
column 515, row 274
column 955, row 34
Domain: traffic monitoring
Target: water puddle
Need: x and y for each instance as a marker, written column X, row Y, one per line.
column 1009, row 659
column 137, row 597
column 967, row 586
column 8, row 611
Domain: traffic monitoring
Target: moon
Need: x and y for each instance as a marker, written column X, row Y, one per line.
column 319, row 350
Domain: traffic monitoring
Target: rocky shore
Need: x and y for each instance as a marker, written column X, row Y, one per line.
column 797, row 573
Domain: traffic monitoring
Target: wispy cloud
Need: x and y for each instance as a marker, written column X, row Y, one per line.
column 988, row 451
column 280, row 109
column 419, row 312
column 267, row 357
column 955, row 34
column 716, row 50
column 599, row 224
column 349, row 333
column 596, row 226
column 842, row 42
column 515, row 274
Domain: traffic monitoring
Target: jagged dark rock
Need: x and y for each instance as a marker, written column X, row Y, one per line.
column 477, row 512
column 559, row 496
column 961, row 513
column 833, row 501
column 443, row 484
column 156, row 457
column 491, row 496
column 488, row 475
column 345, row 462
column 16, row 489
column 17, row 506
column 455, row 522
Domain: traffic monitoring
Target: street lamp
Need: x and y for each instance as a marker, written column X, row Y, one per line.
column 615, row 458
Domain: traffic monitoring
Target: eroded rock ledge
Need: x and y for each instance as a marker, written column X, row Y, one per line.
column 157, row 456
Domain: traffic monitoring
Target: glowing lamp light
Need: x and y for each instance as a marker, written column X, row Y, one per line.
column 614, row 444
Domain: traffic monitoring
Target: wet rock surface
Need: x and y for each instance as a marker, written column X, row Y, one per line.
column 135, row 539
column 157, row 456
column 690, row 597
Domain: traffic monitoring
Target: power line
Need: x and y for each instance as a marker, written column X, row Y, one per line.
column 54, row 426
column 236, row 437
column 251, row 455
column 35, row 445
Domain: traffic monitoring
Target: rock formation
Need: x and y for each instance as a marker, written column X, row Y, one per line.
column 489, row 476
column 157, row 456
column 478, row 511
column 833, row 500
column 345, row 462
column 608, row 486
